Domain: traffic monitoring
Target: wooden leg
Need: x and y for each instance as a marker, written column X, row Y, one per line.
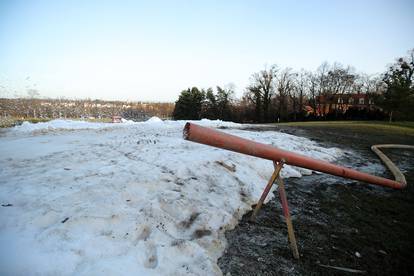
column 275, row 175
column 285, row 208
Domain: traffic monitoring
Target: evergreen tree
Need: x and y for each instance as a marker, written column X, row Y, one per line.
column 223, row 98
column 209, row 109
column 189, row 104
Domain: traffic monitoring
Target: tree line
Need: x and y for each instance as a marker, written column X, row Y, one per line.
column 64, row 108
column 283, row 94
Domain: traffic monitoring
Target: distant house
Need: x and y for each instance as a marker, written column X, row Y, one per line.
column 136, row 115
column 116, row 119
column 342, row 102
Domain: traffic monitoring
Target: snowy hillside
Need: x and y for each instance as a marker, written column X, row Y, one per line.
column 120, row 199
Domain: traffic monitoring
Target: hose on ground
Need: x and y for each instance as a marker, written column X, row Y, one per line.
column 398, row 175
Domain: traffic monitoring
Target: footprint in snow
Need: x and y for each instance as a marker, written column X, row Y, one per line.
column 151, row 256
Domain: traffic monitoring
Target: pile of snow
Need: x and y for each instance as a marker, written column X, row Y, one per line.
column 126, row 121
column 154, row 119
column 60, row 124
column 135, row 199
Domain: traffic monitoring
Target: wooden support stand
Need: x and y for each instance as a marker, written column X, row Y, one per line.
column 275, row 175
column 283, row 200
column 286, row 213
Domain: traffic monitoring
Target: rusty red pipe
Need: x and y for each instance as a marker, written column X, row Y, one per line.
column 211, row 137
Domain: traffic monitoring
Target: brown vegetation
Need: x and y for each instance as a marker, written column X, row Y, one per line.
column 24, row 108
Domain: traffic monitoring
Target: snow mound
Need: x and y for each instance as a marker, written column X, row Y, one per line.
column 60, row 124
column 126, row 121
column 131, row 200
column 154, row 119
column 217, row 123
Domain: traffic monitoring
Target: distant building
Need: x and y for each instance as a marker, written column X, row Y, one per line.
column 342, row 102
column 136, row 115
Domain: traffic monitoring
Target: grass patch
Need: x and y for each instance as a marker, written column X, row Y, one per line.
column 12, row 121
column 102, row 120
column 403, row 128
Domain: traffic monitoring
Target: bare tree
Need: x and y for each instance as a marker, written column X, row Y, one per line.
column 254, row 96
column 312, row 89
column 299, row 92
column 262, row 89
column 285, row 87
column 321, row 77
column 340, row 81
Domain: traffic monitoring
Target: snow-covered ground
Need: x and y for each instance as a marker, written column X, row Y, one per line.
column 132, row 198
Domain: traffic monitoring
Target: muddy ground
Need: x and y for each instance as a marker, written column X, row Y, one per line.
column 337, row 222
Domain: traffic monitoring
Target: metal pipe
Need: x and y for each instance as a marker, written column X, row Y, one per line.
column 211, row 137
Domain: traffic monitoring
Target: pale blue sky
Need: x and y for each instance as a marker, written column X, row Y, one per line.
column 132, row 50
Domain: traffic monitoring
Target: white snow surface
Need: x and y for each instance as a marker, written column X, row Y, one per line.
column 154, row 119
column 128, row 198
